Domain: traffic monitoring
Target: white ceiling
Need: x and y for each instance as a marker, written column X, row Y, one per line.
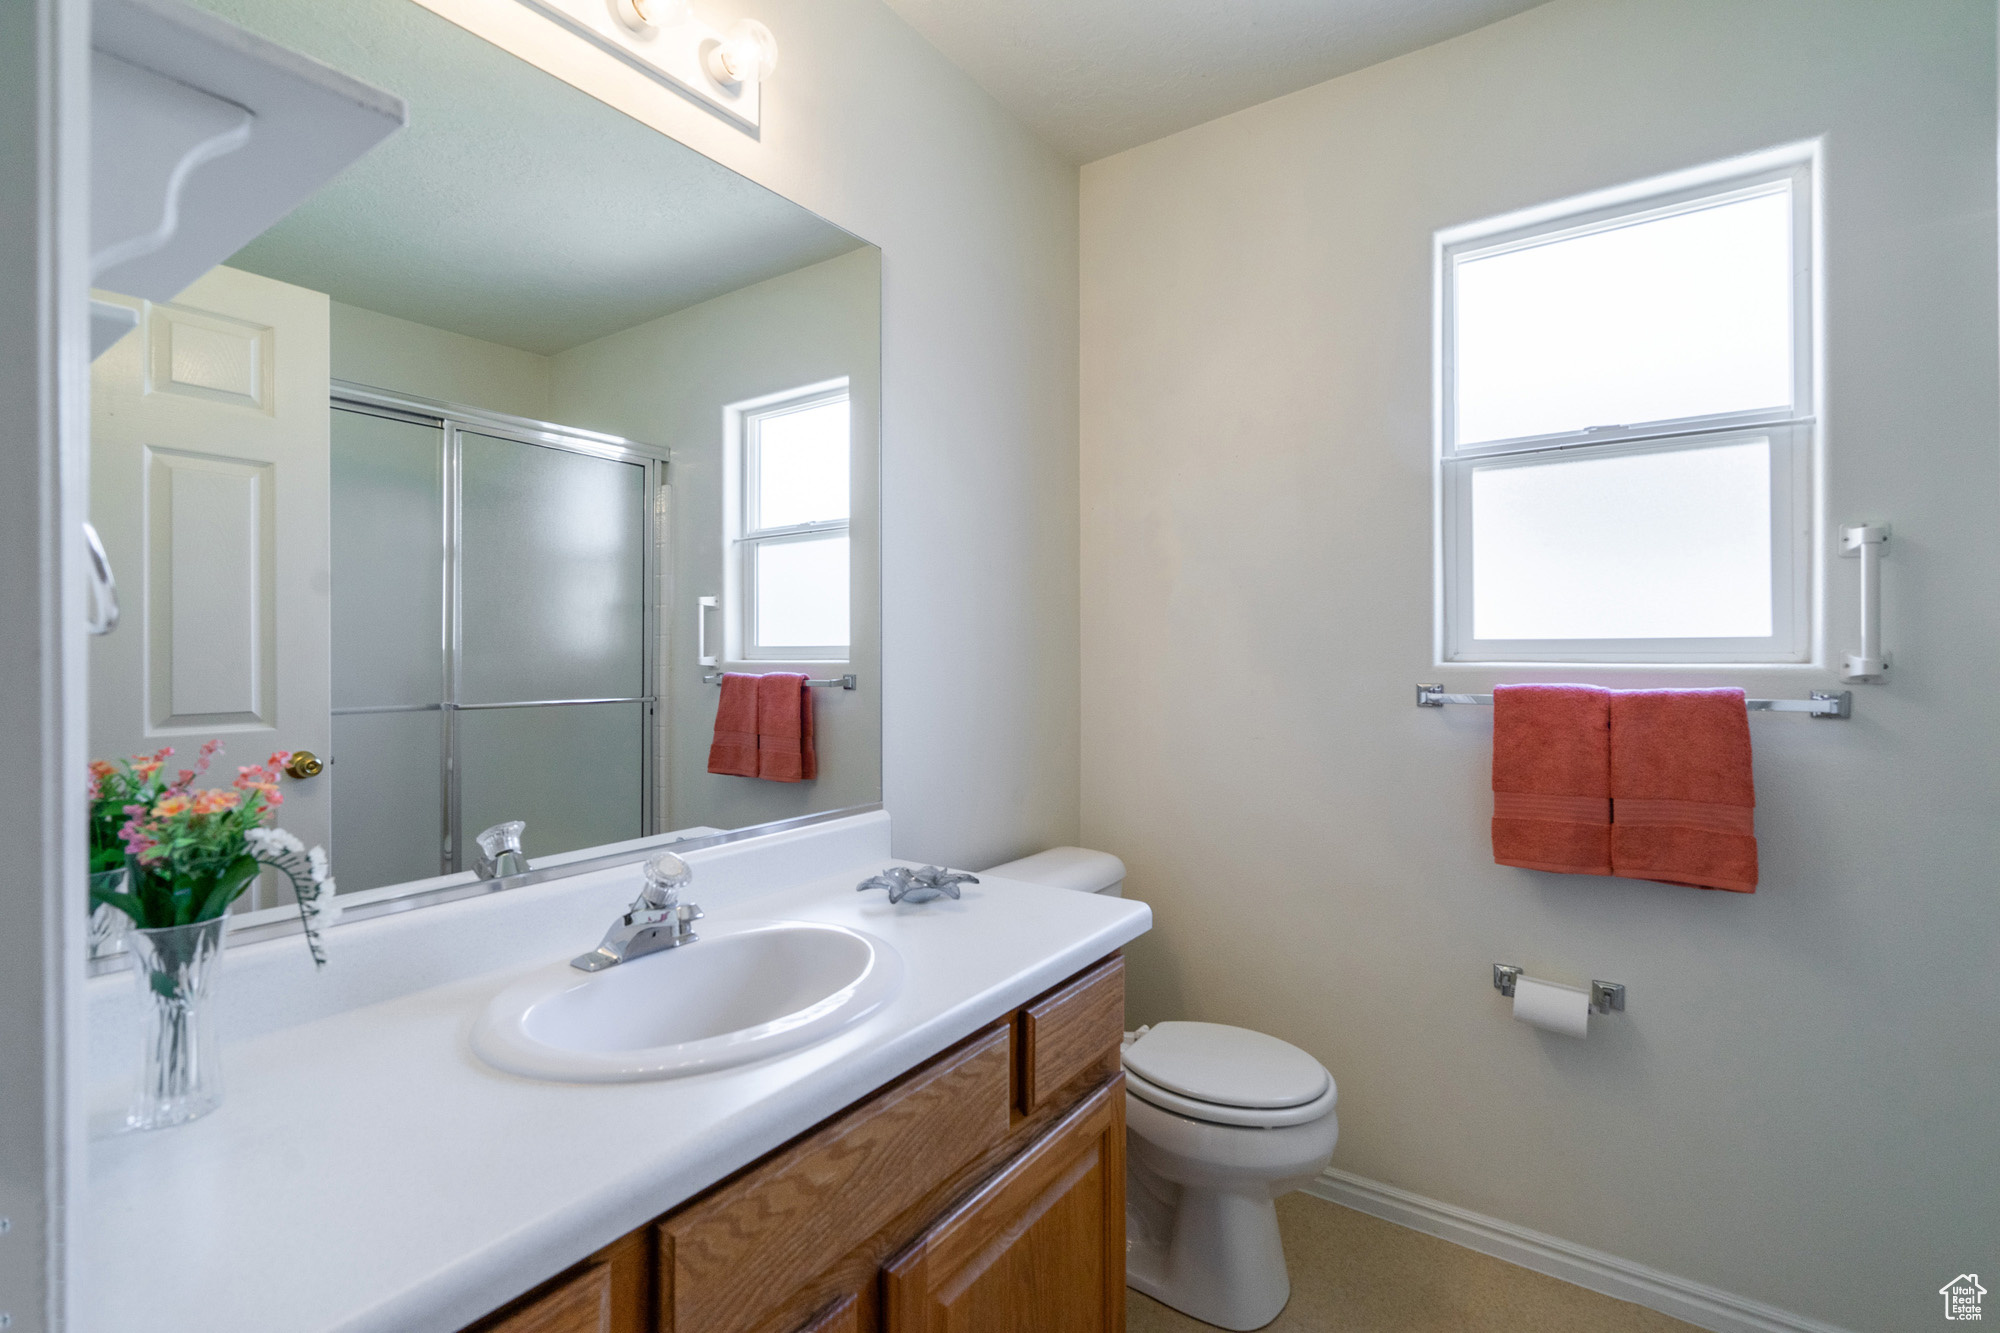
column 513, row 208
column 1094, row 77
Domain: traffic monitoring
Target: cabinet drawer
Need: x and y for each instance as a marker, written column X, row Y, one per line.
column 1070, row 1029
column 580, row 1304
column 730, row 1261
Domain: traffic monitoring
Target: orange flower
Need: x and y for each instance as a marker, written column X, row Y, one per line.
column 173, row 805
column 213, row 800
column 101, row 769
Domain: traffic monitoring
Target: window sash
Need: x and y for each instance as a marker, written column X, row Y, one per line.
column 749, row 419
column 1794, row 178
column 1791, row 526
column 753, row 648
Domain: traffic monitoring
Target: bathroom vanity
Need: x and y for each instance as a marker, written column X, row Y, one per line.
column 955, row 1152
column 983, row 1190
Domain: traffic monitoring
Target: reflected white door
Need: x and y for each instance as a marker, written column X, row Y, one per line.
column 209, row 487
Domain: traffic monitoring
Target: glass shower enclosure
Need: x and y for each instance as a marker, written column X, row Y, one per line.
column 496, row 609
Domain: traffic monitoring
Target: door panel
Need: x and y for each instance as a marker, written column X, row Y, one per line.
column 1039, row 1249
column 554, row 574
column 736, row 1260
column 209, row 488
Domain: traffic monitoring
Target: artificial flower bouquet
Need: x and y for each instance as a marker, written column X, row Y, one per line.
column 189, row 852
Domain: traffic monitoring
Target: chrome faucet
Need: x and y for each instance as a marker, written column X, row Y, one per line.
column 500, row 851
column 657, row 919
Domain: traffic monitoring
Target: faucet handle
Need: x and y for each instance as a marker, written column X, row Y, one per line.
column 665, row 875
column 501, row 850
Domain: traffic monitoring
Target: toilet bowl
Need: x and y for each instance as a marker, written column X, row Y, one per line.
column 1219, row 1121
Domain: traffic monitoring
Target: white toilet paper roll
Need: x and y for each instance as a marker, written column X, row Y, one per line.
column 1552, row 1006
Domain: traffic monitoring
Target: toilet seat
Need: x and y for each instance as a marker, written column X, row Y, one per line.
column 1227, row 1076
column 1219, row 1113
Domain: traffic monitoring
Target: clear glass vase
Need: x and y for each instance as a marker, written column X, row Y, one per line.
column 107, row 923
column 179, row 1077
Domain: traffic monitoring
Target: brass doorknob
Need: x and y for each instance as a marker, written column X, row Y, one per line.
column 303, row 764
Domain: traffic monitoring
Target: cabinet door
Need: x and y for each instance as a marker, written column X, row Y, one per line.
column 1040, row 1248
column 843, row 1316
column 581, row 1304
column 753, row 1255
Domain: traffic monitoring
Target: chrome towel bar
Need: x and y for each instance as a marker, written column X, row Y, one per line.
column 841, row 682
column 1821, row 703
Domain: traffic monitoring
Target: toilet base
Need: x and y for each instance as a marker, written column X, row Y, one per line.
column 1213, row 1254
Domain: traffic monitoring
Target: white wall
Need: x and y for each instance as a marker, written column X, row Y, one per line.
column 1799, row 1105
column 384, row 352
column 666, row 382
column 870, row 127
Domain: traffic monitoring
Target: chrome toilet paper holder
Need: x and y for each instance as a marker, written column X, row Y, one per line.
column 1605, row 996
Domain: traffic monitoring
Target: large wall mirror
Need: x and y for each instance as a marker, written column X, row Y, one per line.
column 474, row 476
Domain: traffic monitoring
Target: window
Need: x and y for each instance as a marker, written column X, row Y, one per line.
column 790, row 575
column 1625, row 428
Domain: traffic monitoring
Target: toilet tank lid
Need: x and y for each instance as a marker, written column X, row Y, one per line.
column 1065, row 868
column 1230, row 1066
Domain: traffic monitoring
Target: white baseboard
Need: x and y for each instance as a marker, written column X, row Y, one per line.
column 1698, row 1304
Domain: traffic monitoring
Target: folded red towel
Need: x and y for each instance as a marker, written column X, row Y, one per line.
column 1552, row 778
column 785, row 728
column 1682, row 799
column 734, row 750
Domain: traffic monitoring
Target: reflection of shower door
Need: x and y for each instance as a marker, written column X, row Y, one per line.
column 492, row 636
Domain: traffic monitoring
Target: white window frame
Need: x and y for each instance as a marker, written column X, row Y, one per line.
column 1791, row 429
column 745, row 536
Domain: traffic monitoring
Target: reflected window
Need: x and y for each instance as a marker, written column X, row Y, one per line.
column 792, row 542
column 1625, row 428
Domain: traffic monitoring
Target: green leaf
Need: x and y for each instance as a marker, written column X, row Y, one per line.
column 125, row 903
column 229, row 887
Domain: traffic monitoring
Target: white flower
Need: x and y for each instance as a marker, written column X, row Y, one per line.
column 316, row 859
column 323, row 907
column 272, row 842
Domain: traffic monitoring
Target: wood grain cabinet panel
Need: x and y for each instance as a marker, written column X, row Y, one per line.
column 579, row 1304
column 732, row 1261
column 1070, row 1029
column 843, row 1317
column 1039, row 1248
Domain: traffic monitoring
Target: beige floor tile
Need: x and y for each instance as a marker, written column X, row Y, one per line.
column 1352, row 1273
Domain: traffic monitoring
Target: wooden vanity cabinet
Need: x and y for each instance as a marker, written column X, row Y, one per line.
column 982, row 1192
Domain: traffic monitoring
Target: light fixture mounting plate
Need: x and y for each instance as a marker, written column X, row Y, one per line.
column 672, row 54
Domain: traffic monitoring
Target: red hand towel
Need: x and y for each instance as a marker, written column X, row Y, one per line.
column 1682, row 800
column 734, row 750
column 784, row 728
column 1552, row 778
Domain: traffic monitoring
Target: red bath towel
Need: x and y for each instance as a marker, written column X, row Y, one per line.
column 1682, row 800
column 785, row 728
column 734, row 750
column 1552, row 778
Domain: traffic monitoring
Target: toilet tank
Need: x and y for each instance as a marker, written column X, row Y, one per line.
column 1076, row 868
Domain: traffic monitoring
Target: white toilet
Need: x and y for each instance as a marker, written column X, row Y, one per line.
column 1220, row 1121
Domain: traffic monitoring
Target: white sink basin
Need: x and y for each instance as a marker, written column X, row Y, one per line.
column 743, row 991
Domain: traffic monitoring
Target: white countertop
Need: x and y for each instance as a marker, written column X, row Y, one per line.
column 368, row 1174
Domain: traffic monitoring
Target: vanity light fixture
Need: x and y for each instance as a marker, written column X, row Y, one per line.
column 644, row 15
column 667, row 41
column 749, row 52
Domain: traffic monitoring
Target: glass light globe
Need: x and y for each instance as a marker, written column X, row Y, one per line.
column 643, row 14
column 748, row 52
